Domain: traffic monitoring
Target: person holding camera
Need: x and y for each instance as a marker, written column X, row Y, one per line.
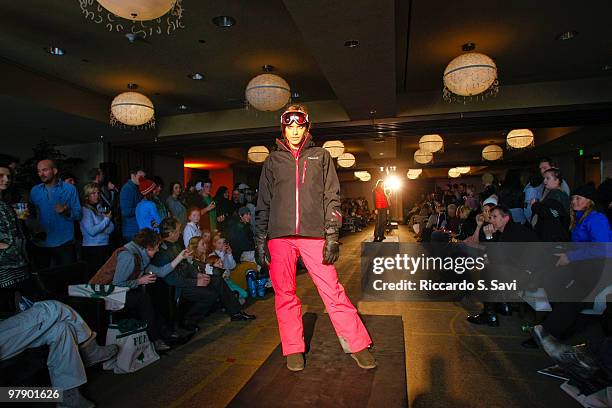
column 96, row 227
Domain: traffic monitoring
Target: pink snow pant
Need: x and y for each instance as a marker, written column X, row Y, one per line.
column 284, row 253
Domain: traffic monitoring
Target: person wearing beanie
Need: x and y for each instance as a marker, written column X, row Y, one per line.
column 147, row 214
column 298, row 214
column 585, row 261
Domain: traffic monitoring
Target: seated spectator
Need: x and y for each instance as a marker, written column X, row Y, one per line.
column 452, row 221
column 199, row 249
column 72, row 345
column 224, row 251
column 531, row 191
column 147, row 214
column 436, row 222
column 175, row 204
column 96, row 227
column 240, row 236
column 192, row 229
column 483, row 232
column 202, row 289
column 587, row 225
column 471, row 200
column 134, row 270
column 13, row 254
column 467, row 222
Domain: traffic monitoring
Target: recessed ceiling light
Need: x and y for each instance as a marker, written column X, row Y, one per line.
column 351, row 43
column 224, row 21
column 55, row 51
column 567, row 35
column 468, row 47
column 196, row 76
column 381, row 153
column 182, row 107
column 295, row 94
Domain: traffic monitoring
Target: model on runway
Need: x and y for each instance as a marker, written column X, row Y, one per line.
column 381, row 205
column 298, row 215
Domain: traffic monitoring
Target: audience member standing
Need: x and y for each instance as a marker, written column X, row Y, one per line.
column 531, row 191
column 13, row 255
column 96, row 227
column 551, row 218
column 147, row 214
column 175, row 205
column 57, row 208
column 224, row 207
column 129, row 198
column 545, row 164
column 511, row 195
column 207, row 208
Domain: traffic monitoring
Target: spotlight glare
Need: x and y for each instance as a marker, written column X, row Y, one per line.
column 393, row 183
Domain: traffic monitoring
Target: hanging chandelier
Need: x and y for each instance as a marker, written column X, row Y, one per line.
column 470, row 75
column 346, row 160
column 132, row 109
column 334, row 147
column 258, row 154
column 138, row 17
column 422, row 157
column 492, row 153
column 363, row 175
column 454, row 172
column 267, row 92
column 413, row 174
column 519, row 139
column 431, row 143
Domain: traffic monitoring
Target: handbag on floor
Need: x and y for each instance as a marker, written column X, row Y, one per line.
column 135, row 349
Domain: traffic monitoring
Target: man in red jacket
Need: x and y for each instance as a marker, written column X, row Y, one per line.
column 298, row 215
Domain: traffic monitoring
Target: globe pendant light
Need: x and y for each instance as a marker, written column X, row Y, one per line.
column 519, row 139
column 492, row 153
column 132, row 109
column 413, row 174
column 454, row 172
column 464, row 170
column 268, row 92
column 137, row 18
column 258, row 154
column 469, row 75
column 334, row 147
column 431, row 143
column 422, row 157
column 346, row 160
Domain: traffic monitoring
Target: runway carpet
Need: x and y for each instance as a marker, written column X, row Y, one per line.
column 331, row 377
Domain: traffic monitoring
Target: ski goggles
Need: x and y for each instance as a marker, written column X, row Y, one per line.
column 297, row 117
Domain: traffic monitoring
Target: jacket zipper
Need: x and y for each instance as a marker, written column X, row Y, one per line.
column 304, row 173
column 297, row 182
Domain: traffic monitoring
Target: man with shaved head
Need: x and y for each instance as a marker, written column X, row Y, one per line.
column 57, row 208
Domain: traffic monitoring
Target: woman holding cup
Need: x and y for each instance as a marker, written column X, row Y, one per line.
column 96, row 226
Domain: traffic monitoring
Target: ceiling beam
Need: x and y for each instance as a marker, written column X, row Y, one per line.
column 363, row 78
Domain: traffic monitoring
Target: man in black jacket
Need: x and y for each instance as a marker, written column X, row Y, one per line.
column 197, row 287
column 501, row 229
column 298, row 213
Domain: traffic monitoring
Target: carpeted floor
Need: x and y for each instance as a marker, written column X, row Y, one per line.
column 449, row 363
